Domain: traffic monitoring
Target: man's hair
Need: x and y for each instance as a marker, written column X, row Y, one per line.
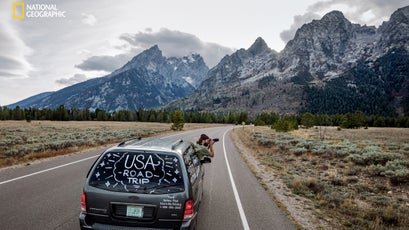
column 202, row 138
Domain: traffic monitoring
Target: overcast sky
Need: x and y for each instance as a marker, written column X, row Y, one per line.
column 98, row 36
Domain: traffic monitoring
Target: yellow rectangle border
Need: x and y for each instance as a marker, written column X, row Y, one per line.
column 14, row 9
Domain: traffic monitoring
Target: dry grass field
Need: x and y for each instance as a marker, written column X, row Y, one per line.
column 22, row 141
column 324, row 177
column 334, row 179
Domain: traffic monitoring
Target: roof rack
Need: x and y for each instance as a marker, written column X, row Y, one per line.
column 128, row 141
column 176, row 143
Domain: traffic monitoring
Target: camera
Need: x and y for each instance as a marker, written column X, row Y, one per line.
column 214, row 140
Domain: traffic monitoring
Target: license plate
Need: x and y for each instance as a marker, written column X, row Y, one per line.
column 134, row 211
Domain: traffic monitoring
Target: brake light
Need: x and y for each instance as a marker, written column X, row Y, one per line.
column 83, row 203
column 189, row 210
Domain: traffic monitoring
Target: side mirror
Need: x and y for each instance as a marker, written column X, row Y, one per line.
column 206, row 160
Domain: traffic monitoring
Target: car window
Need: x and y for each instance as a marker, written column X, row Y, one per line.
column 192, row 164
column 138, row 172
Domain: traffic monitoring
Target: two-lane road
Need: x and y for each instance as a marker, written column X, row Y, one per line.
column 46, row 195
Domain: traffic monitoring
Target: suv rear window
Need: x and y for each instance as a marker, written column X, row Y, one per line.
column 138, row 172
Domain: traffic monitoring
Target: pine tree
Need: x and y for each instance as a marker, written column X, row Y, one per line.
column 178, row 120
column 307, row 120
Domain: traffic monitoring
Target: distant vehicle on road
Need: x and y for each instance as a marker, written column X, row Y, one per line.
column 150, row 183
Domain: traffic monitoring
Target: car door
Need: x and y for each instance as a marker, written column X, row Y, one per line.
column 195, row 173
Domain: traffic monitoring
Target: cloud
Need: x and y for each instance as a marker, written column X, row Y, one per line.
column 6, row 74
column 104, row 63
column 13, row 53
column 88, row 19
column 72, row 80
column 369, row 12
column 299, row 20
column 172, row 43
column 177, row 44
column 11, row 67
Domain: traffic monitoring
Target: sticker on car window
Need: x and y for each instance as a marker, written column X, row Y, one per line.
column 138, row 172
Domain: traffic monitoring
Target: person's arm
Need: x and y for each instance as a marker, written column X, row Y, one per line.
column 211, row 148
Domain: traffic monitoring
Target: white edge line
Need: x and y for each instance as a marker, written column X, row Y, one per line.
column 46, row 170
column 233, row 185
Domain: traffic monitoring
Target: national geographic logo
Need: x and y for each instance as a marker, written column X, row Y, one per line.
column 20, row 10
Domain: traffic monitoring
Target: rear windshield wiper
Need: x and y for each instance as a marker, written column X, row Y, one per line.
column 158, row 188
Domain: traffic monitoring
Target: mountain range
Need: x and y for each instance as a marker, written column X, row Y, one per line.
column 330, row 66
column 148, row 80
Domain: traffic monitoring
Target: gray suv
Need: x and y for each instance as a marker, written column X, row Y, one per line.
column 143, row 184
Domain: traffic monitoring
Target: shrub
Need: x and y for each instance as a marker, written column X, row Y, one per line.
column 378, row 200
column 320, row 148
column 376, row 170
column 266, row 142
column 345, row 148
column 396, row 170
column 393, row 147
column 374, row 155
column 333, row 199
column 342, row 153
column 390, row 217
column 336, row 181
column 299, row 151
column 303, row 144
column 353, row 170
column 11, row 152
column 285, row 125
column 307, row 186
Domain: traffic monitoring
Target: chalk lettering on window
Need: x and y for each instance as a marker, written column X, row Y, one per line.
column 138, row 172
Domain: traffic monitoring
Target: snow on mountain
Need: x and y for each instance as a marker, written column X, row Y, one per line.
column 326, row 58
column 148, row 80
column 259, row 79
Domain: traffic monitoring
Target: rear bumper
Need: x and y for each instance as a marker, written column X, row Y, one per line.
column 182, row 225
column 83, row 224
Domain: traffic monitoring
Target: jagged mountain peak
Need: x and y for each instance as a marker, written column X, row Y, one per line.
column 395, row 32
column 400, row 16
column 322, row 46
column 192, row 58
column 333, row 21
column 321, row 52
column 401, row 13
column 331, row 52
column 334, row 15
column 258, row 47
column 150, row 54
column 149, row 57
column 147, row 81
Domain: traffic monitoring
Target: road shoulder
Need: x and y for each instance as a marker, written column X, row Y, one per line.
column 297, row 208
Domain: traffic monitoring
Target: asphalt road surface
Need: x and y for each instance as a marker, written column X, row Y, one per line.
column 46, row 194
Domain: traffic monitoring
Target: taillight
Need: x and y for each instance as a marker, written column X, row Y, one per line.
column 189, row 210
column 83, row 203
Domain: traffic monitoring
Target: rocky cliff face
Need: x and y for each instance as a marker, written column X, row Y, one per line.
column 244, row 80
column 331, row 66
column 148, row 80
column 326, row 47
column 259, row 79
column 395, row 32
